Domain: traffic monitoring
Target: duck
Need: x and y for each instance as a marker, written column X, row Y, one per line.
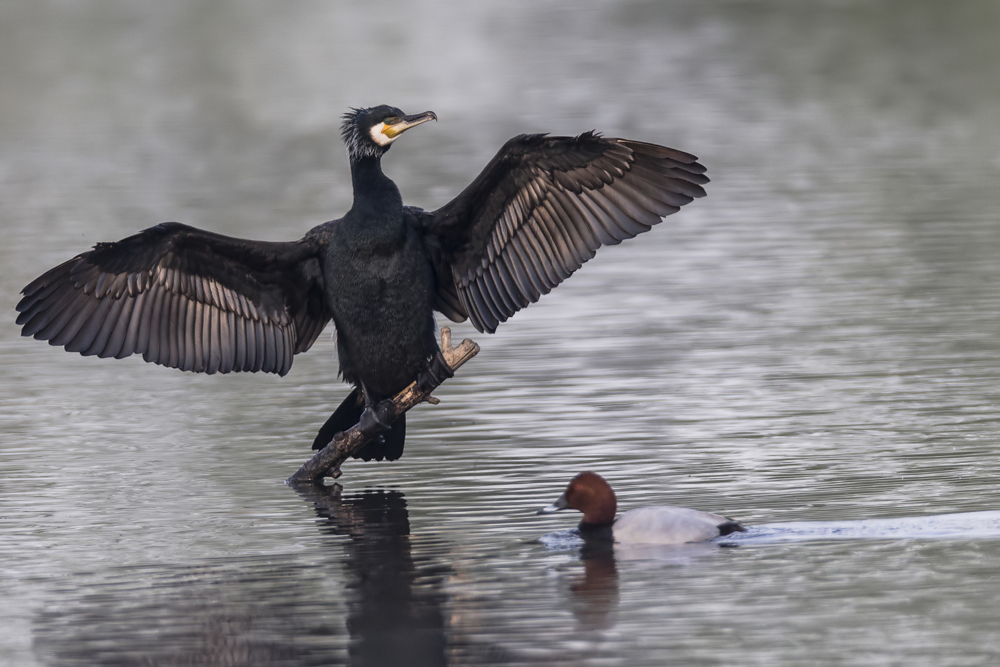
column 591, row 494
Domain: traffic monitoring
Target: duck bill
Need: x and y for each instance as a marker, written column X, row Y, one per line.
column 560, row 504
column 403, row 123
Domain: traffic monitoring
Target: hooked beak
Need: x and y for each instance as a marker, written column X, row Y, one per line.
column 559, row 504
column 396, row 126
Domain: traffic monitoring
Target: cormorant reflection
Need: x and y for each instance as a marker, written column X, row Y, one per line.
column 396, row 600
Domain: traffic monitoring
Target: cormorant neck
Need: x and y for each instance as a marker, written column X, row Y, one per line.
column 366, row 172
column 373, row 190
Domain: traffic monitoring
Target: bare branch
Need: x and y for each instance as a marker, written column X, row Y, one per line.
column 350, row 441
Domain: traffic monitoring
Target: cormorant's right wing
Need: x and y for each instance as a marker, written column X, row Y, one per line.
column 540, row 209
column 185, row 298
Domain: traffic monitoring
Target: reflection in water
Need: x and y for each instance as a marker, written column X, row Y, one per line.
column 266, row 610
column 594, row 594
column 250, row 612
column 395, row 610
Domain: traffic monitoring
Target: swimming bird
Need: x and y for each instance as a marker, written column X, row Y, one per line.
column 195, row 300
column 590, row 493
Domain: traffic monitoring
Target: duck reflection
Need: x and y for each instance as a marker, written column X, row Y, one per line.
column 395, row 606
column 593, row 595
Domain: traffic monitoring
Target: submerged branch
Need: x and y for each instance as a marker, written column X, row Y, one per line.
column 328, row 460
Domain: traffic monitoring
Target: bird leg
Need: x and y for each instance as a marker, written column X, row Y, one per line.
column 377, row 418
column 437, row 371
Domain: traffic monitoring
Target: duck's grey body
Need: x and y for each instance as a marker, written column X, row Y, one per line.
column 665, row 524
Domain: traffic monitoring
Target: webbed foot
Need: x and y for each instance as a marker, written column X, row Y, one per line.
column 437, row 372
column 377, row 419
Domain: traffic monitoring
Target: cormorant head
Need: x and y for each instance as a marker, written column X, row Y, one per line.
column 370, row 132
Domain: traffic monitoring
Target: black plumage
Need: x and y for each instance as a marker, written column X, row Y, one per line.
column 199, row 301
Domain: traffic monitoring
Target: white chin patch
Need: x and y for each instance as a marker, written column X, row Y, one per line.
column 378, row 137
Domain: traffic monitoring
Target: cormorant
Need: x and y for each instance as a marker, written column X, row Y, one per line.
column 199, row 301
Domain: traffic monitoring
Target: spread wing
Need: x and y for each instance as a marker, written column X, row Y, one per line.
column 183, row 298
column 540, row 209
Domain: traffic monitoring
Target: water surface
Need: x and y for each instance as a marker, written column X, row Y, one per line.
column 816, row 341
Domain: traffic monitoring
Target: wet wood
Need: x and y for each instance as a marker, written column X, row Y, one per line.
column 326, row 462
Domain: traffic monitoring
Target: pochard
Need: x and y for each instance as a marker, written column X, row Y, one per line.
column 589, row 493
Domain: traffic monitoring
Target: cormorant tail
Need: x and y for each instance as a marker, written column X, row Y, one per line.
column 343, row 418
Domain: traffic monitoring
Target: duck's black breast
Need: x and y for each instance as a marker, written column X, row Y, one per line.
column 596, row 533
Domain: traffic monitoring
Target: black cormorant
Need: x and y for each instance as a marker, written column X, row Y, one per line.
column 198, row 301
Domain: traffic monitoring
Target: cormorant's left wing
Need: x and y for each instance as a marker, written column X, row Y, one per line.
column 185, row 298
column 540, row 209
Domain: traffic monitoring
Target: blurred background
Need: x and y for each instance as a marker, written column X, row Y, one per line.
column 816, row 340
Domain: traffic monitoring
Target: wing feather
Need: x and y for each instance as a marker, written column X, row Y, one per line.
column 187, row 320
column 515, row 267
column 116, row 339
column 149, row 325
column 227, row 341
column 132, row 336
column 43, row 329
column 544, row 261
column 508, row 289
column 175, row 332
column 183, row 298
column 259, row 343
column 107, row 326
column 80, row 312
column 244, row 345
column 541, row 209
column 88, row 332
